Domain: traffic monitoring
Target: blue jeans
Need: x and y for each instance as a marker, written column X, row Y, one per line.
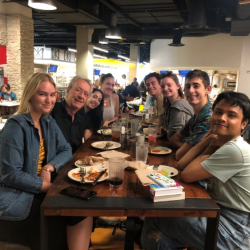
column 179, row 233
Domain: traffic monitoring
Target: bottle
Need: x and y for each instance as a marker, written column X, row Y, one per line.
column 122, row 138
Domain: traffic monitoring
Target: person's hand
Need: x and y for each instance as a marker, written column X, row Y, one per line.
column 161, row 131
column 156, row 234
column 131, row 111
column 213, row 145
column 105, row 124
column 46, row 175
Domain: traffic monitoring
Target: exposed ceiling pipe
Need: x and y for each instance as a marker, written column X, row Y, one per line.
column 177, row 38
column 95, row 36
column 116, row 9
column 197, row 16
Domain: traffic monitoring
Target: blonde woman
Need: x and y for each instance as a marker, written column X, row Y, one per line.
column 32, row 148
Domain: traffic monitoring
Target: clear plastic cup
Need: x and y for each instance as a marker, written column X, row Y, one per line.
column 134, row 126
column 142, row 151
column 116, row 171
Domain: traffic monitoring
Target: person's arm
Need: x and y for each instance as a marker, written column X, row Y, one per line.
column 195, row 152
column 195, row 172
column 12, row 150
column 87, row 134
column 177, row 140
column 182, row 151
column 63, row 148
column 13, row 96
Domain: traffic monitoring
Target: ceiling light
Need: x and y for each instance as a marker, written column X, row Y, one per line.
column 113, row 32
column 127, row 61
column 73, row 50
column 177, row 38
column 103, row 50
column 103, row 57
column 124, row 57
column 42, row 4
column 103, row 39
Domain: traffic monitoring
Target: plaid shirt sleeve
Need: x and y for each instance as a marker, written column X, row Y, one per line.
column 200, row 130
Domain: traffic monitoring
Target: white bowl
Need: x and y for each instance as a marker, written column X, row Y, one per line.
column 145, row 131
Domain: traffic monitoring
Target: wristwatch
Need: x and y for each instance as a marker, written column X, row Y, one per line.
column 47, row 169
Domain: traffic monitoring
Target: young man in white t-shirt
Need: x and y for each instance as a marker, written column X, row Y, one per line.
column 223, row 158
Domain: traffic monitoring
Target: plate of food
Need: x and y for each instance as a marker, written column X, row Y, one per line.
column 160, row 150
column 170, row 171
column 89, row 161
column 106, row 145
column 105, row 131
column 138, row 113
column 91, row 174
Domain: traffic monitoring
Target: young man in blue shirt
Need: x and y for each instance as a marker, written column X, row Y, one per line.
column 197, row 88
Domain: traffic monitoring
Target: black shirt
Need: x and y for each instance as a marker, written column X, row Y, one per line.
column 123, row 104
column 72, row 131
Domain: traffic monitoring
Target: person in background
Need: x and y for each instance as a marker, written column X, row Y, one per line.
column 152, row 82
column 28, row 158
column 197, row 88
column 7, row 94
column 135, row 83
column 129, row 94
column 177, row 111
column 71, row 122
column 124, row 82
column 93, row 109
column 142, row 89
column 111, row 100
column 224, row 159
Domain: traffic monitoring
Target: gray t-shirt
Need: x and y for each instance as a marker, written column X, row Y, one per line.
column 230, row 167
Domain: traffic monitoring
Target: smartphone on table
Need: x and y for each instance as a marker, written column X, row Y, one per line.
column 80, row 193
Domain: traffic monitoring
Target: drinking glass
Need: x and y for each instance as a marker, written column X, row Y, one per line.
column 134, row 126
column 142, row 151
column 132, row 147
column 116, row 171
column 152, row 134
column 150, row 110
column 116, row 132
column 140, row 137
column 125, row 119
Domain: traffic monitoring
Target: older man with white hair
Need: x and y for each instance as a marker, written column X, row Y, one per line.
column 71, row 122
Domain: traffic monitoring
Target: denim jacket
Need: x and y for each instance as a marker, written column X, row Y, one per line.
column 19, row 153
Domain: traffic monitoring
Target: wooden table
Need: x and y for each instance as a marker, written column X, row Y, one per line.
column 131, row 201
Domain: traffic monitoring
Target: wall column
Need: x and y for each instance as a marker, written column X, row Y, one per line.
column 17, row 34
column 84, row 55
column 134, row 62
column 244, row 76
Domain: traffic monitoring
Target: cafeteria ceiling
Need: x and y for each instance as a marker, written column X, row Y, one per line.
column 140, row 21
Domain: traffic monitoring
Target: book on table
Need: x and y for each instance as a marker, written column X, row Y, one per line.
column 172, row 197
column 157, row 190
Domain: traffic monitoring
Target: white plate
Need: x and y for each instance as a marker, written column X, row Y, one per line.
column 100, row 131
column 172, row 171
column 163, row 150
column 137, row 113
column 76, row 170
column 101, row 145
column 95, row 165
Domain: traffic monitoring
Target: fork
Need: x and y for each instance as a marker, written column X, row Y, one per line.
column 82, row 174
column 107, row 146
column 156, row 166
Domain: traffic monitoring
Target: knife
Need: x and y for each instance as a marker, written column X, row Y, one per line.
column 99, row 176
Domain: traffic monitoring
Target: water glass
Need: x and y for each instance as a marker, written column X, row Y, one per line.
column 140, row 137
column 150, row 110
column 125, row 119
column 116, row 171
column 142, row 151
column 134, row 126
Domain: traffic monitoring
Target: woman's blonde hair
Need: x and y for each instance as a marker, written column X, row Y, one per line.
column 30, row 89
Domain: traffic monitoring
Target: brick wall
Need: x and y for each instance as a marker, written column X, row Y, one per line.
column 3, row 30
column 20, row 51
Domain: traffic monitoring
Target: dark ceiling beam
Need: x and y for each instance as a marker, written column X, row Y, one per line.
column 116, row 9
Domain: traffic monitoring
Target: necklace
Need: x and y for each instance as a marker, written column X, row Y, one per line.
column 106, row 101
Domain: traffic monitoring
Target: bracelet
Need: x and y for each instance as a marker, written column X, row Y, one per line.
column 46, row 169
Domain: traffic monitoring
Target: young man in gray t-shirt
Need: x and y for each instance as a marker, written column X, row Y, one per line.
column 223, row 158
